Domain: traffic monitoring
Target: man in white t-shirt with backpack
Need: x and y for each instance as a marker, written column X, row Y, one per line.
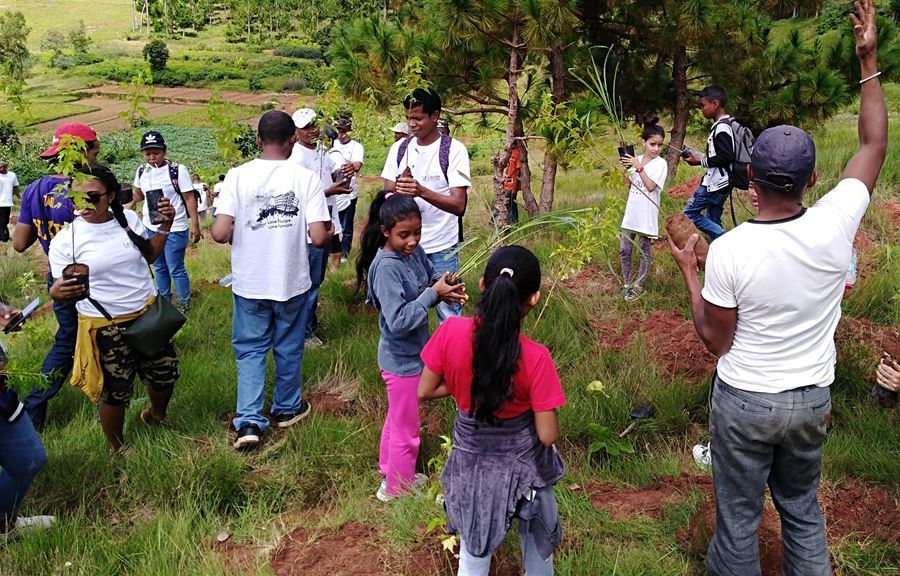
column 769, row 308
column 268, row 208
column 9, row 187
column 159, row 177
column 434, row 168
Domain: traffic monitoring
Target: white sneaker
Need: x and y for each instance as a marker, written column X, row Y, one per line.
column 420, row 482
column 313, row 342
column 702, row 455
column 27, row 524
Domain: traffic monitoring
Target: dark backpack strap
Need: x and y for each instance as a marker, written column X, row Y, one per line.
column 731, row 201
column 173, row 176
column 101, row 309
column 401, row 151
column 444, row 155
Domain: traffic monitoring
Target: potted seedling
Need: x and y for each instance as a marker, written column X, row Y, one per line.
column 70, row 155
column 602, row 84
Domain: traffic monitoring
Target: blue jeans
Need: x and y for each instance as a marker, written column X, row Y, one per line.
column 169, row 267
column 318, row 262
column 58, row 362
column 532, row 562
column 346, row 216
column 775, row 439
column 712, row 202
column 21, row 456
column 444, row 262
column 257, row 327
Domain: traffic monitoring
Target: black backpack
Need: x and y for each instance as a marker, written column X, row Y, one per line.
column 173, row 176
column 743, row 147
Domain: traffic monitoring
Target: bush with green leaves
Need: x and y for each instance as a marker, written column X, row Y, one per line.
column 296, row 51
column 8, row 134
column 156, row 53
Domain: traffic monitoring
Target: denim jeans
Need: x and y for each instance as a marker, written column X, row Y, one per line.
column 532, row 562
column 444, row 262
column 712, row 202
column 21, row 456
column 346, row 216
column 775, row 439
column 318, row 263
column 259, row 326
column 58, row 362
column 169, row 267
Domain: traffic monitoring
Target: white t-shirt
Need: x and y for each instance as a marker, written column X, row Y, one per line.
column 642, row 215
column 323, row 164
column 272, row 202
column 158, row 178
column 8, row 181
column 352, row 151
column 201, row 189
column 786, row 280
column 218, row 190
column 717, row 178
column 440, row 230
column 119, row 276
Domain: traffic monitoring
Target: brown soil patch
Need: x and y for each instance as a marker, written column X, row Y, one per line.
column 686, row 189
column 875, row 338
column 892, row 209
column 591, row 280
column 432, row 420
column 851, row 509
column 328, row 404
column 240, row 557
column 672, row 341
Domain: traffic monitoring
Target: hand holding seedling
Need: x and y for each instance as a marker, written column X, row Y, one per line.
column 450, row 293
column 888, row 374
column 629, row 161
column 864, row 29
column 408, row 185
column 66, row 289
column 166, row 209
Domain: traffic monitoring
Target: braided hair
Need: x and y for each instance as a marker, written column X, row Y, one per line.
column 111, row 184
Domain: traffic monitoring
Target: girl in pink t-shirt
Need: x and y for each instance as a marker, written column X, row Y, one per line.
column 503, row 463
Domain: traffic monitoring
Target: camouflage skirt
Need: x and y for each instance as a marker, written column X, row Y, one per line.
column 120, row 362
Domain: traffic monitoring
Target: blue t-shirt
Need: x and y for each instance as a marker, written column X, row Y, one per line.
column 46, row 208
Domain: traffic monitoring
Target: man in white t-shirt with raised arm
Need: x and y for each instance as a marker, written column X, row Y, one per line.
column 157, row 178
column 769, row 308
column 352, row 152
column 268, row 209
column 9, row 187
column 434, row 168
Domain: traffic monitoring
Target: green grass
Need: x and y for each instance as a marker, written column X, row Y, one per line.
column 39, row 111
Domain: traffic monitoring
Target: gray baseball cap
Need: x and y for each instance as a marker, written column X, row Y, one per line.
column 783, row 159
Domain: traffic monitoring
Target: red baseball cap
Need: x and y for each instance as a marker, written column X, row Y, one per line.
column 82, row 131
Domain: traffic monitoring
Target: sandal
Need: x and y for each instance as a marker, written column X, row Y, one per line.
column 149, row 419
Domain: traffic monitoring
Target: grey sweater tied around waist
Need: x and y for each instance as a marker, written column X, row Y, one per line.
column 496, row 473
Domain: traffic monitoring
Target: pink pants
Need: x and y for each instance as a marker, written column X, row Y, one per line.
column 400, row 435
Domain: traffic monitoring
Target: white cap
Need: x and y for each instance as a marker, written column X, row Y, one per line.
column 303, row 117
column 401, row 127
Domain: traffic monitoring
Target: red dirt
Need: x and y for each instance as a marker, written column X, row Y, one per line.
column 672, row 341
column 328, row 404
column 240, row 557
column 432, row 420
column 684, row 190
column 851, row 509
column 892, row 209
column 591, row 280
column 875, row 338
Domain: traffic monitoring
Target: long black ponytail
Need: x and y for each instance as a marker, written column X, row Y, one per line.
column 386, row 209
column 512, row 275
column 111, row 184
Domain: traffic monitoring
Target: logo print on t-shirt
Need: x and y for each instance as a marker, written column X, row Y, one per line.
column 277, row 212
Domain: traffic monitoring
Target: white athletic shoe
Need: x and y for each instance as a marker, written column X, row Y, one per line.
column 420, row 482
column 702, row 455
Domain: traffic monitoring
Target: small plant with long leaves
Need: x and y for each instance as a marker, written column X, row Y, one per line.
column 70, row 155
column 602, row 84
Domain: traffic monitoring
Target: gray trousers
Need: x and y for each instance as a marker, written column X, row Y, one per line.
column 776, row 439
column 626, row 244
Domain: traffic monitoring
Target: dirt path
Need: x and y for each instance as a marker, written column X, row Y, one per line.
column 110, row 101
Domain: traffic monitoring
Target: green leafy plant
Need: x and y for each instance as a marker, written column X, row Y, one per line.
column 137, row 93
column 156, row 53
column 227, row 130
column 607, row 441
column 602, row 84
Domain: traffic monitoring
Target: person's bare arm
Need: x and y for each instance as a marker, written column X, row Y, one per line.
column 190, row 204
column 432, row 386
column 319, row 233
column 872, row 123
column 389, row 185
column 24, row 235
column 137, row 195
column 455, row 203
column 222, row 228
column 158, row 240
column 547, row 427
column 714, row 324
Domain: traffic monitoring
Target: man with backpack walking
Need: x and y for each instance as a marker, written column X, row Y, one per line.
column 716, row 186
column 433, row 168
column 161, row 178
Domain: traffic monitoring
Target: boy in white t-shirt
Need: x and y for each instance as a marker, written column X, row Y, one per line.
column 266, row 209
column 202, row 191
column 159, row 176
column 769, row 308
column 438, row 178
column 217, row 188
column 9, row 187
column 352, row 152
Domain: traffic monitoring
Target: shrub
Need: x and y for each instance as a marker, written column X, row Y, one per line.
column 254, row 83
column 246, row 142
column 157, row 54
column 293, row 85
column 8, row 135
column 295, row 51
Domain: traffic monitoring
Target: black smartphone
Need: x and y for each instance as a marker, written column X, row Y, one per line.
column 153, row 197
column 28, row 311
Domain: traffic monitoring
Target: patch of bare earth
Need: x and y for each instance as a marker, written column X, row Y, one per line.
column 591, row 280
column 892, row 209
column 852, row 510
column 874, row 338
column 684, row 190
column 671, row 340
column 239, row 557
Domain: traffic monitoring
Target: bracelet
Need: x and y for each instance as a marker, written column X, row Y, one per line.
column 875, row 75
column 163, row 232
column 639, row 169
